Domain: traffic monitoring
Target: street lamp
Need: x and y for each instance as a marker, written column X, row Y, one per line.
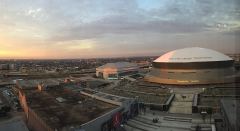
column 203, row 113
column 137, row 99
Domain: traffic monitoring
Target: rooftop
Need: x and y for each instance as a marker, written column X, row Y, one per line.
column 193, row 54
column 74, row 110
column 30, row 84
column 105, row 95
column 118, row 65
column 27, row 84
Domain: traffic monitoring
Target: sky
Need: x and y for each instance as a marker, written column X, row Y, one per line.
column 115, row 28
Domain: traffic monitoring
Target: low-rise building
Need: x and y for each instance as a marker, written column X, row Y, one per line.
column 63, row 109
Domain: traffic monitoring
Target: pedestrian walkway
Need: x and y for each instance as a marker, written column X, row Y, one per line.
column 166, row 122
column 145, row 123
column 182, row 104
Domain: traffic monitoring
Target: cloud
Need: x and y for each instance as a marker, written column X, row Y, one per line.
column 119, row 25
column 74, row 20
column 126, row 25
column 76, row 44
column 33, row 12
column 173, row 18
column 235, row 32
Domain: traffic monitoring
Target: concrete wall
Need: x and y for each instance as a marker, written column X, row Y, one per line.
column 23, row 102
column 34, row 122
column 161, row 107
column 195, row 103
column 96, row 124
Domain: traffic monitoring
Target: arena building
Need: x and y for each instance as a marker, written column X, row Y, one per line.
column 116, row 70
column 189, row 66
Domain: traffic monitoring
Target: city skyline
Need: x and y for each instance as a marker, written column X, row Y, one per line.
column 89, row 29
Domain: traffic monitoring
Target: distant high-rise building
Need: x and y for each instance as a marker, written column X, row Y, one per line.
column 7, row 66
column 3, row 66
column 12, row 66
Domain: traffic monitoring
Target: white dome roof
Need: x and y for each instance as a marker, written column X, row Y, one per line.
column 193, row 54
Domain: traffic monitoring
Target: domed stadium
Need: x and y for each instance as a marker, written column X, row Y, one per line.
column 189, row 66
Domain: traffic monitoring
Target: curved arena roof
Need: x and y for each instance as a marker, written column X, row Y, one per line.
column 193, row 54
column 118, row 65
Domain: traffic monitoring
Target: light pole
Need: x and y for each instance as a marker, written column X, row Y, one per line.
column 203, row 113
column 137, row 99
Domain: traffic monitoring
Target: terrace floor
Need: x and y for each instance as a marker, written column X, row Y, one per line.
column 144, row 94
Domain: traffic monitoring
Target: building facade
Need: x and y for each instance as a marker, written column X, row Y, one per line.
column 190, row 66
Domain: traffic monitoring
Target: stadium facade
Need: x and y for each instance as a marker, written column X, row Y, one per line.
column 190, row 66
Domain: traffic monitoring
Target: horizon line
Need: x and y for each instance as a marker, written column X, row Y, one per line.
column 76, row 58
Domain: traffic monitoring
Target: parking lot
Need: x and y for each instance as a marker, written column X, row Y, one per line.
column 9, row 98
